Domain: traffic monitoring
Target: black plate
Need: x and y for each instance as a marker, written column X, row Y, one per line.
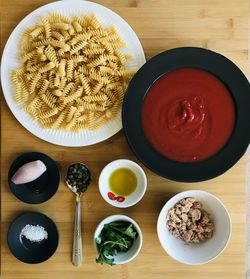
column 187, row 57
column 32, row 252
column 41, row 189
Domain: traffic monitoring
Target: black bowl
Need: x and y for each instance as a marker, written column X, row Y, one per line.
column 32, row 252
column 187, row 57
column 41, row 189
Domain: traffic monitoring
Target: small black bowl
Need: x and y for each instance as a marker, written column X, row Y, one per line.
column 170, row 60
column 41, row 189
column 32, row 252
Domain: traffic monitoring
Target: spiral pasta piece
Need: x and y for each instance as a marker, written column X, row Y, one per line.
column 34, row 82
column 49, row 100
column 67, row 88
column 71, row 113
column 18, row 94
column 78, row 47
column 96, row 98
column 72, row 97
column 47, row 27
column 44, row 87
column 57, row 36
column 48, row 113
column 56, row 17
column 60, row 26
column 58, row 121
column 85, row 84
column 37, row 31
column 51, row 54
column 77, row 26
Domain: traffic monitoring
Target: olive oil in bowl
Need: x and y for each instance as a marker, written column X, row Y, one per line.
column 122, row 181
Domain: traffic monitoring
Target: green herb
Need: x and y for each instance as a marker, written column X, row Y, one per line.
column 114, row 238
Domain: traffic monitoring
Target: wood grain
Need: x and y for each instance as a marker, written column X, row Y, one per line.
column 160, row 25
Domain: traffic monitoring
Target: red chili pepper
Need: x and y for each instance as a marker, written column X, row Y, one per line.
column 111, row 196
column 120, row 199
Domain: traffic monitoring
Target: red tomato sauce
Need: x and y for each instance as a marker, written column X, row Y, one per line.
column 188, row 115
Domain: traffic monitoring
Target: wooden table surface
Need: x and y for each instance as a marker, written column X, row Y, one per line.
column 160, row 25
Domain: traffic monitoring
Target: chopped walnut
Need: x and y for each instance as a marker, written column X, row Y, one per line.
column 189, row 222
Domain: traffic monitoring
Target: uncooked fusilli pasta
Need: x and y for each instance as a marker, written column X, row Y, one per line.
column 73, row 73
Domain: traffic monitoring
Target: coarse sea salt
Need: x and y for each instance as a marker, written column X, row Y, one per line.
column 35, row 233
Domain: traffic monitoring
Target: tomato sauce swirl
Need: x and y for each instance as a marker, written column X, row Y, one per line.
column 188, row 115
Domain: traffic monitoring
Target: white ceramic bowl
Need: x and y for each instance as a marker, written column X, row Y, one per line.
column 203, row 252
column 134, row 197
column 122, row 258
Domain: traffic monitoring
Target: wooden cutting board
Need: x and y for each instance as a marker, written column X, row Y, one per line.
column 160, row 24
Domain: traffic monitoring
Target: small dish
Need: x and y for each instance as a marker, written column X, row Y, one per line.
column 199, row 253
column 41, row 189
column 32, row 252
column 135, row 196
column 122, row 258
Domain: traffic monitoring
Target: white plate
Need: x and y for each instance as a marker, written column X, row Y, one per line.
column 10, row 61
column 204, row 252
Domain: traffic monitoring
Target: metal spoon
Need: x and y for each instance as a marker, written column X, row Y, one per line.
column 78, row 185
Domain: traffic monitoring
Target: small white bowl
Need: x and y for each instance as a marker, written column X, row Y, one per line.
column 204, row 252
column 134, row 197
column 122, row 258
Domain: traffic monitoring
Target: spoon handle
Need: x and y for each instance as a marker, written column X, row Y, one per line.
column 77, row 237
